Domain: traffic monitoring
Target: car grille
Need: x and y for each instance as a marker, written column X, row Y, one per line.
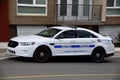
column 13, row 44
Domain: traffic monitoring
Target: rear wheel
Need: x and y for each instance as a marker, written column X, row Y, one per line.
column 42, row 54
column 98, row 55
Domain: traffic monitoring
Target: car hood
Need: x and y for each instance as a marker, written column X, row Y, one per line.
column 29, row 38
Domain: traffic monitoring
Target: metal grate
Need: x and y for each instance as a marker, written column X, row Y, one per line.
column 13, row 44
column 78, row 12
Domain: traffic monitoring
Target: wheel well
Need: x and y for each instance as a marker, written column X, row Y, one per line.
column 44, row 47
column 99, row 47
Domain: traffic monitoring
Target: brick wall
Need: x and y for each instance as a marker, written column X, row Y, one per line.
column 4, row 21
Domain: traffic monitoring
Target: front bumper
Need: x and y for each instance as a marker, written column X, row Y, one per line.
column 21, row 51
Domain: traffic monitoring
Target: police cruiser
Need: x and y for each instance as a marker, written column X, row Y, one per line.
column 62, row 41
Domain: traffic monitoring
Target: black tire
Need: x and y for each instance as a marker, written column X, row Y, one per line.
column 98, row 55
column 42, row 54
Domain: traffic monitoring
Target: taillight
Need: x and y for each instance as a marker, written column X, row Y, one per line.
column 99, row 40
column 112, row 41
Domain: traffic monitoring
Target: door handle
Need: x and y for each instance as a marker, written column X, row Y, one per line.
column 92, row 41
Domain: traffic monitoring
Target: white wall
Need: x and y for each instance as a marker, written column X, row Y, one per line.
column 26, row 30
column 111, row 31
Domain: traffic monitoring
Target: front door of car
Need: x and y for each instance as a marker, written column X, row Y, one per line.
column 63, row 43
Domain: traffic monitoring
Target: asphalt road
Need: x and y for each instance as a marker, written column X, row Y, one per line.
column 60, row 68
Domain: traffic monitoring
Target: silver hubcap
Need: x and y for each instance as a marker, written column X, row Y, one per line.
column 97, row 55
column 42, row 54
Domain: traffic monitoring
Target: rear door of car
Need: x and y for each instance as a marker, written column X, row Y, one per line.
column 85, row 42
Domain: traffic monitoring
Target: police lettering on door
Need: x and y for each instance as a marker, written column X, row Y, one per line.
column 74, row 46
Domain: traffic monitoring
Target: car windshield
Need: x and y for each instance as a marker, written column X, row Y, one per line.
column 49, row 32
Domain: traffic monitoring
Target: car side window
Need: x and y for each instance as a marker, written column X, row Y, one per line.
column 67, row 34
column 85, row 34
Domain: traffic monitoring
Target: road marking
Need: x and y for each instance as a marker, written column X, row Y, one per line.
column 59, row 75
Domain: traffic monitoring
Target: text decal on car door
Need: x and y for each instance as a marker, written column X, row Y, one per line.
column 74, row 46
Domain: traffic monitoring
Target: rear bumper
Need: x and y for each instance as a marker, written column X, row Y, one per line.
column 108, row 55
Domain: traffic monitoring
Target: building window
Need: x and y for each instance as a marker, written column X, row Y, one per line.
column 86, row 7
column 32, row 7
column 74, row 7
column 118, row 3
column 63, row 8
column 113, row 7
column 110, row 3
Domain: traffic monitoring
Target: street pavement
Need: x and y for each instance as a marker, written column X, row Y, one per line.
column 14, row 68
column 19, row 68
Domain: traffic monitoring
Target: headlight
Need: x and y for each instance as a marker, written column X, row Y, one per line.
column 27, row 43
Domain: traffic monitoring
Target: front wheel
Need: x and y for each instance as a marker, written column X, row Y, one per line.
column 42, row 54
column 98, row 55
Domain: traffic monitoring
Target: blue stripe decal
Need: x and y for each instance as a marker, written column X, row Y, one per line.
column 75, row 46
column 58, row 46
column 91, row 46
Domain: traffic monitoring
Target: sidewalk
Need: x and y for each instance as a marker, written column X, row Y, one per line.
column 3, row 46
column 117, row 49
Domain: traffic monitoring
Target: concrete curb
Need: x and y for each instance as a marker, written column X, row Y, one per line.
column 3, row 50
column 3, row 46
column 117, row 49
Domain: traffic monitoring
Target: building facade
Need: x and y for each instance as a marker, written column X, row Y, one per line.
column 32, row 16
column 112, row 23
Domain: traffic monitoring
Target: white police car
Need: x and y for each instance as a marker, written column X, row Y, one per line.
column 62, row 41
